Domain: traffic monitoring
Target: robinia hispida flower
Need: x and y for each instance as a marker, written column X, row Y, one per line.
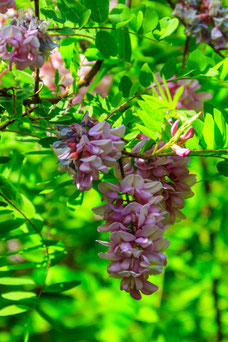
column 206, row 20
column 145, row 199
column 25, row 41
column 88, row 148
column 6, row 4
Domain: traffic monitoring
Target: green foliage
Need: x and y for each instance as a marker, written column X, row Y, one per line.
column 54, row 287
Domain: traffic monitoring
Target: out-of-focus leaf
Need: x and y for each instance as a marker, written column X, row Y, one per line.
column 169, row 69
column 197, row 61
column 18, row 295
column 125, row 85
column 46, row 142
column 106, row 44
column 168, row 26
column 99, row 9
column 60, row 287
column 9, row 225
column 146, row 75
column 124, row 45
column 223, row 168
column 10, row 192
column 13, row 310
column 16, row 281
column 150, row 20
column 208, row 132
column 51, row 14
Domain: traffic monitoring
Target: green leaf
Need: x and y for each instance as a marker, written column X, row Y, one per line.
column 148, row 132
column 197, row 61
column 71, row 10
column 124, row 46
column 9, row 225
column 11, row 193
column 14, row 310
column 18, row 295
column 60, row 287
column 137, row 21
column 177, row 96
column 117, row 99
column 99, row 9
column 23, row 266
column 125, row 85
column 54, row 15
column 16, row 281
column 168, row 26
column 84, row 18
column 106, row 44
column 222, row 168
column 46, row 142
column 220, row 128
column 208, row 132
column 150, row 20
column 169, row 69
column 146, row 75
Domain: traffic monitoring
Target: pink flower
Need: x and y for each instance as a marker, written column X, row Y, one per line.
column 88, row 148
column 181, row 151
column 28, row 39
column 172, row 172
column 6, row 4
column 137, row 227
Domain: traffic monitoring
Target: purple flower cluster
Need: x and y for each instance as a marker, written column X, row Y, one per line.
column 88, row 148
column 6, row 4
column 135, row 216
column 172, row 172
column 206, row 20
column 25, row 41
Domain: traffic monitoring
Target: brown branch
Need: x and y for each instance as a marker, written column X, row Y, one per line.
column 88, row 78
column 106, row 28
column 196, row 153
column 210, row 44
column 10, row 121
column 171, row 4
column 186, row 45
column 126, row 102
column 37, row 8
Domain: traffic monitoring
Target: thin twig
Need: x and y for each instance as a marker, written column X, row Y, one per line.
column 71, row 35
column 106, row 28
column 198, row 153
column 88, row 78
column 37, row 71
column 22, row 133
column 171, row 4
column 37, row 8
column 126, row 102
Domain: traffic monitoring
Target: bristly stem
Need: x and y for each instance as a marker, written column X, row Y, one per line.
column 186, row 45
column 37, row 8
column 197, row 153
column 37, row 77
